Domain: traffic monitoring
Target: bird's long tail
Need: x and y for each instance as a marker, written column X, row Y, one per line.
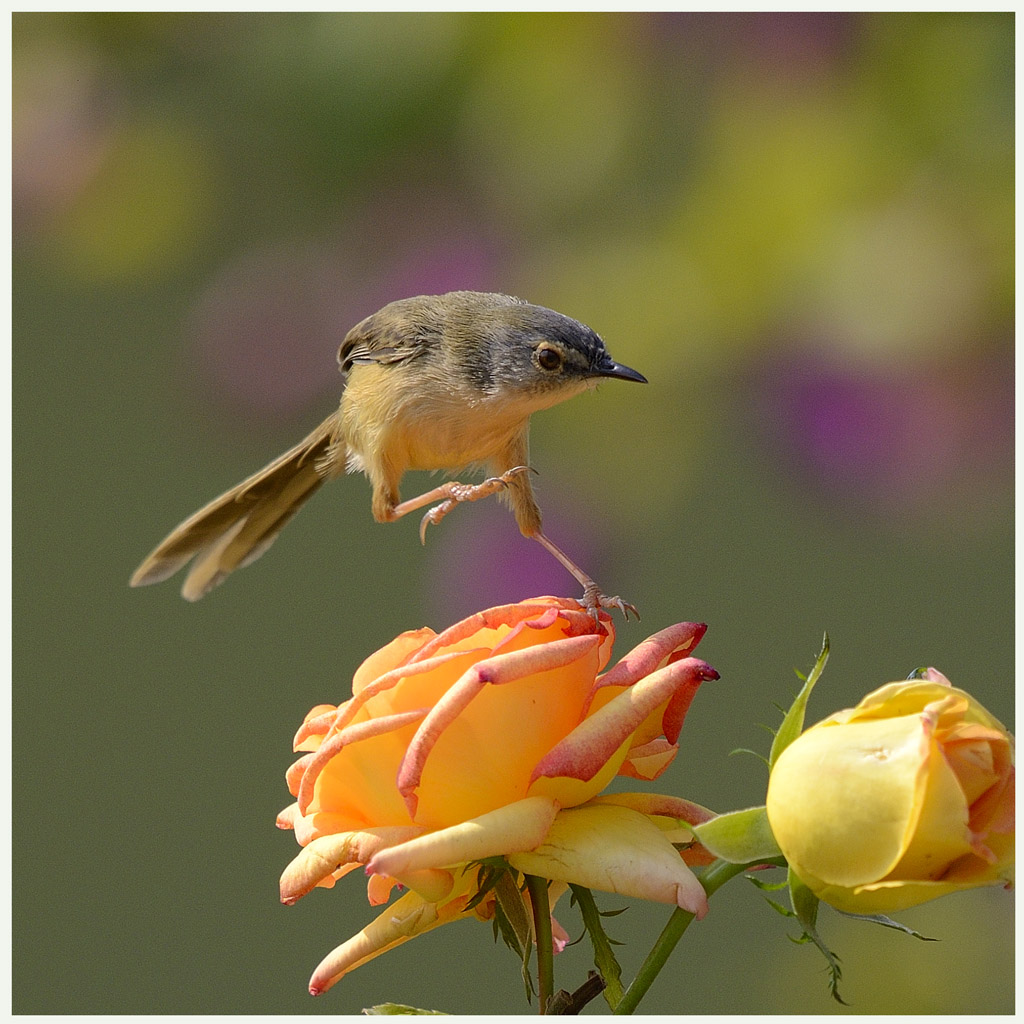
column 236, row 528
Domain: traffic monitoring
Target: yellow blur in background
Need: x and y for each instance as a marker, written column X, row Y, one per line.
column 799, row 227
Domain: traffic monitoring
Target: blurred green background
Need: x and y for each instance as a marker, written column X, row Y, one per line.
column 800, row 227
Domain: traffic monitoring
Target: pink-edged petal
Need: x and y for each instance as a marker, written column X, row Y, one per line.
column 675, row 713
column 353, row 734
column 432, row 884
column 994, row 810
column 326, row 721
column 288, row 816
column 325, row 855
column 514, row 827
column 391, row 656
column 654, row 653
column 378, row 889
column 322, row 823
column 576, row 617
column 560, row 937
column 660, row 805
column 614, row 849
column 314, row 727
column 545, row 620
column 649, row 760
column 293, row 776
column 498, row 670
column 402, row 920
column 389, row 680
column 673, row 815
column 590, row 746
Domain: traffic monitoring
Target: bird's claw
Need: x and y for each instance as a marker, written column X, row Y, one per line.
column 509, row 474
column 594, row 600
column 435, row 515
column 467, row 492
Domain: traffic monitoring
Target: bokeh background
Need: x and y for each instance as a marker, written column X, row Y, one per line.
column 800, row 227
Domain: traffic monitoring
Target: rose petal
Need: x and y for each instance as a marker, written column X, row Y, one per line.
column 487, row 628
column 678, row 705
column 910, row 698
column 891, row 897
column 941, row 832
column 657, row 804
column 293, row 777
column 287, row 817
column 350, row 736
column 433, row 884
column 590, row 746
column 320, row 823
column 517, row 826
column 475, row 778
column 314, row 727
column 653, row 653
column 560, row 938
column 614, row 849
column 649, row 760
column 389, row 657
column 325, row 855
column 994, row 811
column 673, row 815
column 876, row 775
column 402, row 920
column 423, row 682
column 379, row 887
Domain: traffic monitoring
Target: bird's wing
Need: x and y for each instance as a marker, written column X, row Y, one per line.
column 394, row 340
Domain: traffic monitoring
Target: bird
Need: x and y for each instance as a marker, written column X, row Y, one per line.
column 432, row 382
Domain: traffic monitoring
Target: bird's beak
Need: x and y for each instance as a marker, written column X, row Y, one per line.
column 609, row 368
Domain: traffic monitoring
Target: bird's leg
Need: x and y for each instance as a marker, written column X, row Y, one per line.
column 592, row 596
column 450, row 495
column 527, row 513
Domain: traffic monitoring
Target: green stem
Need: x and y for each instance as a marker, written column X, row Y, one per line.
column 538, row 889
column 714, row 876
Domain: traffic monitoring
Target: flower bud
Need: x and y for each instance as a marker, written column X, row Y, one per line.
column 906, row 797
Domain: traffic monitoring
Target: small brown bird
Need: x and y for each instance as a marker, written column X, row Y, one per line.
column 431, row 382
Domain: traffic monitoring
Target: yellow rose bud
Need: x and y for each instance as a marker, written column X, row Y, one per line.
column 476, row 742
column 906, row 797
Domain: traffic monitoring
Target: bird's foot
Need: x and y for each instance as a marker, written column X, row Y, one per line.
column 457, row 493
column 593, row 600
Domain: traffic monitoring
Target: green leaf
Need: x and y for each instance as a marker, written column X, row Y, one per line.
column 513, row 920
column 604, row 959
column 888, row 922
column 767, row 886
column 490, row 870
column 388, row 1009
column 515, row 908
column 793, row 723
column 779, row 908
column 805, row 904
column 747, row 750
column 740, row 837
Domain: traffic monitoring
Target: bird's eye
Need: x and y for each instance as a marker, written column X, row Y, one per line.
column 549, row 358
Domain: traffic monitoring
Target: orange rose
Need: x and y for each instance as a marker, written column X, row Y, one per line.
column 487, row 740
